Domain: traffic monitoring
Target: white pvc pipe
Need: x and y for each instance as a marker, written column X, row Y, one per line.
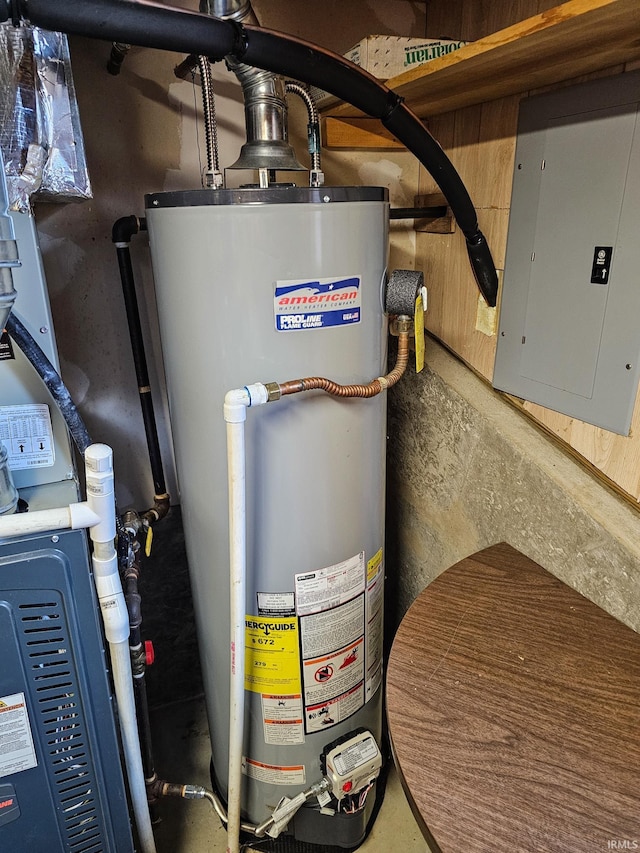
column 123, row 683
column 70, row 517
column 235, row 414
column 101, row 499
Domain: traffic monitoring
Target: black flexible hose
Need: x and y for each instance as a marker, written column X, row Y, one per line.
column 51, row 378
column 150, row 24
column 155, row 25
column 123, row 230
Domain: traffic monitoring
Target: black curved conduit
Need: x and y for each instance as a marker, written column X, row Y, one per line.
column 122, row 232
column 51, row 378
column 155, row 25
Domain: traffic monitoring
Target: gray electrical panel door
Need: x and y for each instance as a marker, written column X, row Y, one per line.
column 569, row 323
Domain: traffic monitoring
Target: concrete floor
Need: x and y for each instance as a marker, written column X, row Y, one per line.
column 182, row 754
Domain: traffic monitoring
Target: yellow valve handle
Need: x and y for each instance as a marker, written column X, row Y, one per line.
column 148, row 541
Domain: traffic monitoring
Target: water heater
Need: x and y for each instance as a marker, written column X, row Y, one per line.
column 270, row 285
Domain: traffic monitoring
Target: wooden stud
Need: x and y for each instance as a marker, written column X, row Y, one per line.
column 438, row 224
column 358, row 133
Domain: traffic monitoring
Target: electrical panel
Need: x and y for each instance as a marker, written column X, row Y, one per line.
column 568, row 336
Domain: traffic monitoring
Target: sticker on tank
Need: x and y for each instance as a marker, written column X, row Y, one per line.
column 317, row 303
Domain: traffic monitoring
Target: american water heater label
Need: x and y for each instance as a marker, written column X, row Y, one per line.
column 317, row 303
column 17, row 752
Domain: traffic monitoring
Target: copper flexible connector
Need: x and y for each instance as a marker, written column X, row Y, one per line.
column 295, row 386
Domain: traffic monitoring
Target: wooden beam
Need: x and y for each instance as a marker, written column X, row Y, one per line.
column 358, row 133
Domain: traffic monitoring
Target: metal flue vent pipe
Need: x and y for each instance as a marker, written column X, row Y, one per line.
column 265, row 105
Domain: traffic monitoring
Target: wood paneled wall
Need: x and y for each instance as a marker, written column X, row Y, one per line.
column 480, row 141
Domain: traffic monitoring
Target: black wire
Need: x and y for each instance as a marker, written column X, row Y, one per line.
column 51, row 378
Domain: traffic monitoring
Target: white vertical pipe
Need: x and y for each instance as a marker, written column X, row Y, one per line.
column 123, row 683
column 235, row 414
column 100, row 498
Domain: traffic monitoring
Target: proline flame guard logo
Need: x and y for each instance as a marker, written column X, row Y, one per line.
column 317, row 304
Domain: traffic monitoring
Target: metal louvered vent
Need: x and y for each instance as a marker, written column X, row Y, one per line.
column 60, row 722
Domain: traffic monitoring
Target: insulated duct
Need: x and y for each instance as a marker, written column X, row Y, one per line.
column 154, row 25
column 8, row 252
column 265, row 106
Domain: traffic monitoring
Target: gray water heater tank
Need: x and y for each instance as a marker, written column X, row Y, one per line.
column 258, row 285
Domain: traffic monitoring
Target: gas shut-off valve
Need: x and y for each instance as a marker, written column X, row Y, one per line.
column 352, row 764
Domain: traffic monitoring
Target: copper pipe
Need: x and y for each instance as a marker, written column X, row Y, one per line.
column 295, row 386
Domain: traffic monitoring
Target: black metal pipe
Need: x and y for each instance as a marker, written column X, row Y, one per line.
column 155, row 25
column 417, row 212
column 51, row 378
column 138, row 659
column 123, row 230
column 144, row 726
column 138, row 668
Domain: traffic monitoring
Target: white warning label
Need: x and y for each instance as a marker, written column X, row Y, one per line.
column 27, row 434
column 334, row 711
column 332, row 674
column 323, row 632
column 282, row 719
column 17, row 752
column 276, row 604
column 325, row 588
column 273, row 774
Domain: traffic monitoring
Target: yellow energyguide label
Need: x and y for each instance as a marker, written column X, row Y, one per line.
column 272, row 660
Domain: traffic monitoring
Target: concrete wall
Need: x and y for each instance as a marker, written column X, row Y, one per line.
column 466, row 470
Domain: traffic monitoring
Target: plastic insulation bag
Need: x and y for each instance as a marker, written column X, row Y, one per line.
column 40, row 133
